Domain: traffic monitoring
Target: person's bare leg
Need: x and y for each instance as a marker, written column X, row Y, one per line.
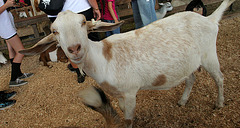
column 14, row 46
column 11, row 51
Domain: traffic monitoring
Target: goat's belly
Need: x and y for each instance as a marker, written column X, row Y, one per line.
column 166, row 86
column 170, row 76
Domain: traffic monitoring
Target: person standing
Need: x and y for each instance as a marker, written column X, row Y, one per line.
column 143, row 12
column 109, row 15
column 14, row 44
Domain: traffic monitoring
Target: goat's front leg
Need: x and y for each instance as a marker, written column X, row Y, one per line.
column 129, row 109
column 189, row 84
column 121, row 104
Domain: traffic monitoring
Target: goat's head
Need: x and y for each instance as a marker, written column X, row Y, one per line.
column 70, row 30
column 167, row 5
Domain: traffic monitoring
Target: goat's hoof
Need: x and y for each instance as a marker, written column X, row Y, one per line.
column 50, row 66
column 81, row 78
column 182, row 103
column 218, row 105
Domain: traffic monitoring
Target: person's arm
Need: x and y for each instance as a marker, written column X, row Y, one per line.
column 112, row 12
column 96, row 11
column 9, row 3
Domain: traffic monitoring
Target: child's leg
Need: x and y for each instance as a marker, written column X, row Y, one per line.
column 14, row 46
column 11, row 52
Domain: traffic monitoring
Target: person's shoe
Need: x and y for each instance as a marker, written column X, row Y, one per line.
column 17, row 82
column 7, row 96
column 70, row 67
column 6, row 104
column 25, row 75
column 81, row 78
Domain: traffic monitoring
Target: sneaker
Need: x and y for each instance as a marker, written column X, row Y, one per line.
column 25, row 75
column 70, row 67
column 7, row 96
column 17, row 82
column 81, row 78
column 6, row 104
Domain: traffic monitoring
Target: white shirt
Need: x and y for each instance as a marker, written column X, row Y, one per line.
column 7, row 26
column 75, row 6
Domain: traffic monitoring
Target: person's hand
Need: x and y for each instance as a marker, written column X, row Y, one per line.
column 116, row 21
column 97, row 14
column 10, row 3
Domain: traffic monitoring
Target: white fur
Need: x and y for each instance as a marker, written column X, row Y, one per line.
column 3, row 60
column 53, row 56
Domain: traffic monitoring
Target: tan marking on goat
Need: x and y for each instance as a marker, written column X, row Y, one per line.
column 128, row 122
column 160, row 80
column 110, row 90
column 107, row 50
column 138, row 32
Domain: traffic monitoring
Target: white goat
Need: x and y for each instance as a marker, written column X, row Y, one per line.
column 158, row 57
column 3, row 60
column 163, row 10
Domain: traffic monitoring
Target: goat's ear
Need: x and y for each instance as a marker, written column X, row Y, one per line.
column 98, row 26
column 161, row 4
column 40, row 46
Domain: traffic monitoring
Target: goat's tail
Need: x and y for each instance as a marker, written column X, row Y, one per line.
column 217, row 14
column 96, row 99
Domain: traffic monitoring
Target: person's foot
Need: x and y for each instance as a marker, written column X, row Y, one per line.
column 71, row 68
column 25, row 75
column 17, row 82
column 6, row 104
column 7, row 96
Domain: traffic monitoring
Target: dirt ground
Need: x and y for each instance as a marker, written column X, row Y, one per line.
column 50, row 99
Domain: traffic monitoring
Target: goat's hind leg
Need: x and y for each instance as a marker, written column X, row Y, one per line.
column 212, row 66
column 189, row 84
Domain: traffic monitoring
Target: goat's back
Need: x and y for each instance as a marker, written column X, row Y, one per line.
column 172, row 47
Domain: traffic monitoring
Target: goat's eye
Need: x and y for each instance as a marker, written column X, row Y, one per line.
column 55, row 31
column 83, row 23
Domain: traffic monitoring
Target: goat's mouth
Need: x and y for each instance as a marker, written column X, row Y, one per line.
column 77, row 59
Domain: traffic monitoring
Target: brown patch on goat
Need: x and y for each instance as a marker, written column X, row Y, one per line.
column 107, row 50
column 160, row 80
column 61, row 55
column 111, row 90
column 45, row 57
column 128, row 122
column 138, row 32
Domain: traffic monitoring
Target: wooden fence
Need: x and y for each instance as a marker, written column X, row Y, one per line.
column 28, row 24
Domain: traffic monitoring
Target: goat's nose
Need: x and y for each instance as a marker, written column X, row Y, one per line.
column 74, row 49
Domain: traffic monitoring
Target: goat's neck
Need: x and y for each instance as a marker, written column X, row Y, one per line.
column 163, row 10
column 93, row 63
